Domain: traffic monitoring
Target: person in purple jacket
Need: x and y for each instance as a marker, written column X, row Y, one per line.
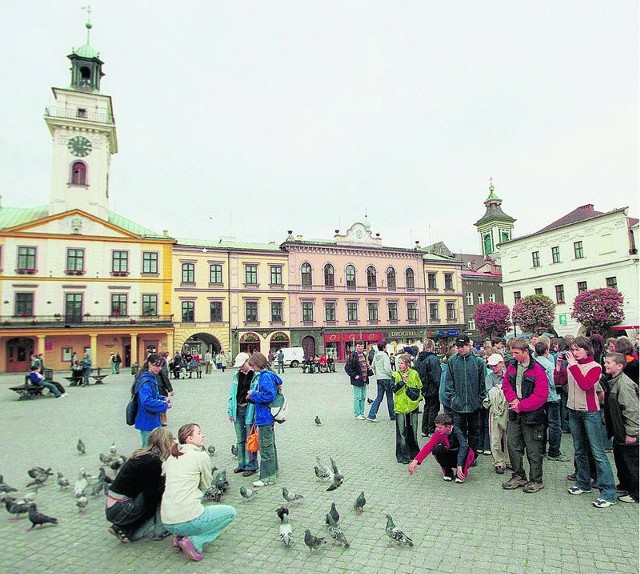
column 150, row 402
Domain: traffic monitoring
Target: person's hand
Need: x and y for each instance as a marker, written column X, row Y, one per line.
column 460, row 473
column 514, row 406
column 231, row 419
column 169, row 405
column 413, row 466
column 571, row 359
column 630, row 440
column 249, row 393
column 357, row 377
column 172, row 393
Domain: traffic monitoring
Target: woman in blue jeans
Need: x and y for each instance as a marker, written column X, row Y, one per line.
column 187, row 475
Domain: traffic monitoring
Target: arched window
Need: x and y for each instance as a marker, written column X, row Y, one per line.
column 329, row 275
column 410, row 279
column 305, row 273
column 350, row 273
column 391, row 278
column 371, row 277
column 79, row 173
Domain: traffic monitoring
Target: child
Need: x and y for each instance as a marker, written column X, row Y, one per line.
column 498, row 419
column 449, row 448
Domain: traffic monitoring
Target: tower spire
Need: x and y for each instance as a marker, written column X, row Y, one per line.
column 88, row 25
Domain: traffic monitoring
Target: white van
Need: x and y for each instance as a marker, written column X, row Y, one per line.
column 293, row 356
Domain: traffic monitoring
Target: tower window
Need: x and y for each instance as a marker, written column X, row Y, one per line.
column 78, row 173
column 81, row 113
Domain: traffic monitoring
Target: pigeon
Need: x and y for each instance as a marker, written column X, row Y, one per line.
column 332, row 515
column 338, row 479
column 117, row 463
column 81, row 503
column 8, row 501
column 313, row 542
column 221, row 481
column 39, row 475
column 80, row 484
column 234, row 450
column 336, row 532
column 290, row 496
column 112, row 449
column 246, row 493
column 360, row 502
column 105, row 460
column 282, row 512
column 62, row 481
column 286, row 530
column 98, row 488
column 322, row 471
column 38, row 519
column 211, row 450
column 30, row 496
column 104, row 477
column 18, row 508
column 318, row 421
column 395, row 534
column 80, row 447
column 4, row 487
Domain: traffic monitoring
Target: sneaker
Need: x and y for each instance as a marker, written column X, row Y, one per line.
column 249, row 472
column 559, row 458
column 447, row 477
column 532, row 487
column 571, row 477
column 577, row 490
column 514, row 482
column 487, row 453
column 260, row 483
column 189, row 549
column 238, row 470
column 372, row 420
column 602, row 503
column 460, row 480
column 627, row 498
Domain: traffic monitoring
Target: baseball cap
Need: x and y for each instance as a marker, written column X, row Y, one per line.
column 462, row 340
column 494, row 359
column 241, row 358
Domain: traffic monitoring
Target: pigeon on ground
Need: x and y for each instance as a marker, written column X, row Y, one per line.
column 313, row 542
column 8, row 501
column 112, row 449
column 104, row 477
column 4, row 487
column 81, row 503
column 282, row 512
column 62, row 481
column 38, row 519
column 246, row 493
column 360, row 502
column 80, row 447
column 290, row 496
column 322, row 471
column 221, row 481
column 98, row 488
column 81, row 484
column 395, row 534
column 234, row 450
column 318, row 421
column 211, row 450
column 285, row 530
column 336, row 532
column 30, row 496
column 105, row 460
column 338, row 479
column 18, row 508
column 332, row 515
column 39, row 472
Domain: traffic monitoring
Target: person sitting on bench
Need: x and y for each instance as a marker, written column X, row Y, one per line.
column 39, row 381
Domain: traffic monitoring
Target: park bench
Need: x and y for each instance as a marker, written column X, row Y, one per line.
column 28, row 390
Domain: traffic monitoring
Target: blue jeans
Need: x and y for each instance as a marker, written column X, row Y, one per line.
column 52, row 388
column 280, row 367
column 268, row 453
column 587, row 433
column 207, row 527
column 359, row 395
column 554, row 429
column 144, row 435
column 384, row 386
column 246, row 460
column 135, row 518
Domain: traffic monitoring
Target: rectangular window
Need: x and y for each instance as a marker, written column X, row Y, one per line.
column 75, row 262
column 150, row 305
column 119, row 304
column 24, row 305
column 472, row 325
column 412, row 311
column 330, row 311
column 582, row 286
column 517, row 296
column 307, row 311
column 434, row 314
column 448, row 281
column 119, row 263
column 451, row 311
column 431, row 281
column 480, row 298
column 276, row 275
column 555, row 254
column 612, row 283
column 469, row 298
column 492, row 297
column 372, row 311
column 535, row 258
column 150, row 262
column 215, row 274
column 393, row 311
column 251, row 274
column 538, row 291
column 276, row 311
column 188, row 272
column 215, row 311
column 352, row 311
column 578, row 251
column 251, row 311
column 26, row 260
column 559, row 293
column 73, row 307
column 188, row 311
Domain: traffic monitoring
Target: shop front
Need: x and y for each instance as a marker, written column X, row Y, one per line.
column 442, row 338
column 339, row 345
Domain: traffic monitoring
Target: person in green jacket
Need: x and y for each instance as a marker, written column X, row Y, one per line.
column 406, row 398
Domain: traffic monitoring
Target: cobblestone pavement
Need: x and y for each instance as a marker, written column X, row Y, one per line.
column 452, row 525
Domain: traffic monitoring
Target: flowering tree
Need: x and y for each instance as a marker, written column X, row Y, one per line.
column 534, row 313
column 598, row 309
column 492, row 319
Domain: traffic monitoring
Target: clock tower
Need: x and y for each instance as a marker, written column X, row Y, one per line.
column 83, row 134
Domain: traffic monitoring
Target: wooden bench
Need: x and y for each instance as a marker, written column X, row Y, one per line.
column 28, row 390
column 197, row 371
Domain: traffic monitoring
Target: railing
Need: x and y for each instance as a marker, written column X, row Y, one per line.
column 73, row 114
column 63, row 320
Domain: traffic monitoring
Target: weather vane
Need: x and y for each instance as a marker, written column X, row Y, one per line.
column 88, row 25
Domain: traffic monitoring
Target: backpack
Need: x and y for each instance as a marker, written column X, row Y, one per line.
column 131, row 411
column 279, row 408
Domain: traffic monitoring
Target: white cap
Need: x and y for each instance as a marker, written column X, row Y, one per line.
column 494, row 359
column 241, row 359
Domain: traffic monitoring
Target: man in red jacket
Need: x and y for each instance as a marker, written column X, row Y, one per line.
column 526, row 389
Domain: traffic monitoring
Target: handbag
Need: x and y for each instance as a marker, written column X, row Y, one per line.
column 279, row 408
column 253, row 444
column 413, row 393
column 131, row 412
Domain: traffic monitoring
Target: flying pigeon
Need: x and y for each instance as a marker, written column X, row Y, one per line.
column 39, row 475
column 322, row 471
column 211, row 450
column 290, row 496
column 318, row 421
column 360, row 502
column 17, row 508
column 38, row 519
column 112, row 449
column 80, row 447
column 246, row 493
column 395, row 534
column 4, row 487
column 81, row 503
column 332, row 515
column 286, row 530
column 62, row 481
column 234, row 450
column 313, row 542
column 338, row 479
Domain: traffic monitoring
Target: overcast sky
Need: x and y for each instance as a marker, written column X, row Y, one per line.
column 251, row 118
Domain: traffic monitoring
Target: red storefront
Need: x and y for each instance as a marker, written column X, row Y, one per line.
column 341, row 344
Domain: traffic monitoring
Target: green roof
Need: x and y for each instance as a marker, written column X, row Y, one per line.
column 86, row 51
column 133, row 227
column 222, row 244
column 12, row 216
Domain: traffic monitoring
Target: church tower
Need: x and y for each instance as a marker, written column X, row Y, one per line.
column 83, row 136
column 495, row 226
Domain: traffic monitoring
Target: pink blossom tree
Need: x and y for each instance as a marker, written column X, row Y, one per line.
column 534, row 313
column 598, row 309
column 492, row 319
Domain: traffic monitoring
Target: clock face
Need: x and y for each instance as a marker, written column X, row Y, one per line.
column 79, row 146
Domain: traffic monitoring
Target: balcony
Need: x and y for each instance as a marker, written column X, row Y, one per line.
column 68, row 321
column 73, row 114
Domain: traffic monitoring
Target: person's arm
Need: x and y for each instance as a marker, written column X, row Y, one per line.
column 205, row 471
column 434, row 370
column 425, row 451
column 387, row 372
column 147, row 401
column 267, row 391
column 463, row 451
column 509, row 393
column 587, row 381
column 540, row 393
column 628, row 401
column 449, row 390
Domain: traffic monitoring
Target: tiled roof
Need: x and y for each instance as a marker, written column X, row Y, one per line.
column 578, row 214
column 223, row 244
